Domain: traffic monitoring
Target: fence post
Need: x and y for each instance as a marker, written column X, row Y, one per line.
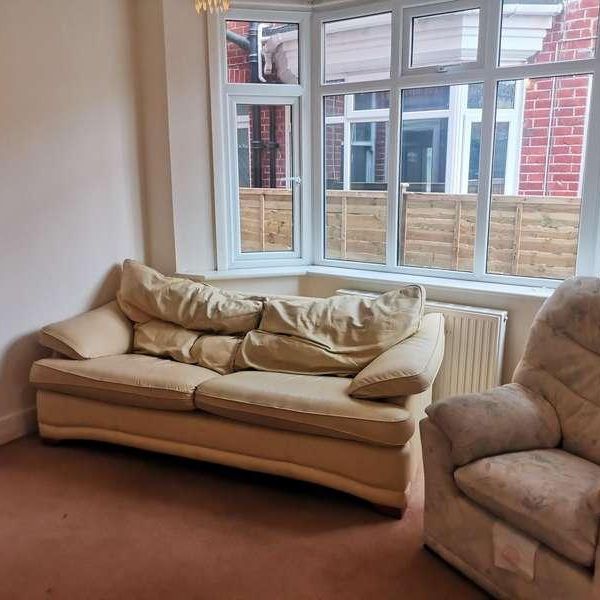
column 262, row 222
column 457, row 219
column 405, row 200
column 344, row 227
column 514, row 267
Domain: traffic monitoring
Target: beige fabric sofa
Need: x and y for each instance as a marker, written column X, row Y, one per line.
column 301, row 426
column 512, row 476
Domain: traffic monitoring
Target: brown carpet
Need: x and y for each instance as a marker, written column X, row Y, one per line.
column 92, row 521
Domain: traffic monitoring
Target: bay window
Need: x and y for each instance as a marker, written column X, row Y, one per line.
column 444, row 138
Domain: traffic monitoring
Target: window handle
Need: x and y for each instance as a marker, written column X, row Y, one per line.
column 294, row 180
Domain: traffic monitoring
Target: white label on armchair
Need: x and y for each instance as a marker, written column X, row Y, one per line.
column 513, row 551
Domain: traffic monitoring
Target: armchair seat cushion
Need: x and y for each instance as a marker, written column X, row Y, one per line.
column 130, row 379
column 548, row 494
column 310, row 404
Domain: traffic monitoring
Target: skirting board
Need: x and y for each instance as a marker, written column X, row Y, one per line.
column 17, row 424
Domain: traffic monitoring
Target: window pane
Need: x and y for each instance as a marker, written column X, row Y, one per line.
column 265, row 166
column 262, row 52
column 371, row 100
column 534, row 223
column 500, row 154
column 355, row 156
column 445, row 39
column 549, row 31
column 433, row 98
column 438, row 221
column 506, row 95
column 358, row 49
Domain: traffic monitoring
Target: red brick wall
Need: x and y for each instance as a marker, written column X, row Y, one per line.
column 334, row 142
column 238, row 67
column 555, row 109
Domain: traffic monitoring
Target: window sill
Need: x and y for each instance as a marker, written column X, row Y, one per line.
column 386, row 279
column 256, row 273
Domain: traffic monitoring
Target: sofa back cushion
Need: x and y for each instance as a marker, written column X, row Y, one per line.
column 146, row 294
column 159, row 338
column 562, row 362
column 333, row 336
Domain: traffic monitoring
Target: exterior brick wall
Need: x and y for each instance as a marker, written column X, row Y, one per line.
column 238, row 67
column 555, row 110
column 334, row 143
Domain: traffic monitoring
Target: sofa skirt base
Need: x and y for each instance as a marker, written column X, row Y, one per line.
column 378, row 474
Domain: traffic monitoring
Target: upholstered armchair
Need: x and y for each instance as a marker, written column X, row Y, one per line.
column 512, row 476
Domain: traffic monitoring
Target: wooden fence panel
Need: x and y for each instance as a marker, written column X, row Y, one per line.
column 266, row 220
column 529, row 236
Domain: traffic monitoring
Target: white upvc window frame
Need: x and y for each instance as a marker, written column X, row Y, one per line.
column 238, row 256
column 511, row 116
column 310, row 240
column 488, row 72
column 224, row 98
column 441, row 8
column 348, row 119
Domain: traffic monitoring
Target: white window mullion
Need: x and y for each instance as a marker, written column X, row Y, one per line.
column 347, row 146
column 488, row 118
column 588, row 255
column 317, row 128
column 220, row 115
column 395, row 196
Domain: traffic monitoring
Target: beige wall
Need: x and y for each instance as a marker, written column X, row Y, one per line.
column 154, row 115
column 70, row 189
column 173, row 60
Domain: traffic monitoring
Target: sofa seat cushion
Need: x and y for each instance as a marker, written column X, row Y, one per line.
column 131, row 379
column 307, row 403
column 545, row 493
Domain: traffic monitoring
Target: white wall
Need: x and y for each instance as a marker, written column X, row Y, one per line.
column 173, row 57
column 154, row 114
column 70, row 175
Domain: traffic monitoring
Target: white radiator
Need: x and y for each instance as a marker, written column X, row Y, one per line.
column 474, row 346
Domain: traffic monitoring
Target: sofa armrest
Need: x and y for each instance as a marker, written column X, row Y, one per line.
column 407, row 368
column 509, row 418
column 103, row 331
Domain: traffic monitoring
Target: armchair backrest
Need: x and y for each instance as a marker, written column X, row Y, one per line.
column 562, row 362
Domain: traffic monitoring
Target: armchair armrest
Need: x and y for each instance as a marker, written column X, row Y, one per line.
column 509, row 418
column 406, row 368
column 100, row 332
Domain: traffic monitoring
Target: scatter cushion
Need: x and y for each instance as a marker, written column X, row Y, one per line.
column 545, row 493
column 146, row 294
column 406, row 368
column 130, row 379
column 330, row 336
column 99, row 332
column 159, row 338
column 310, row 404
